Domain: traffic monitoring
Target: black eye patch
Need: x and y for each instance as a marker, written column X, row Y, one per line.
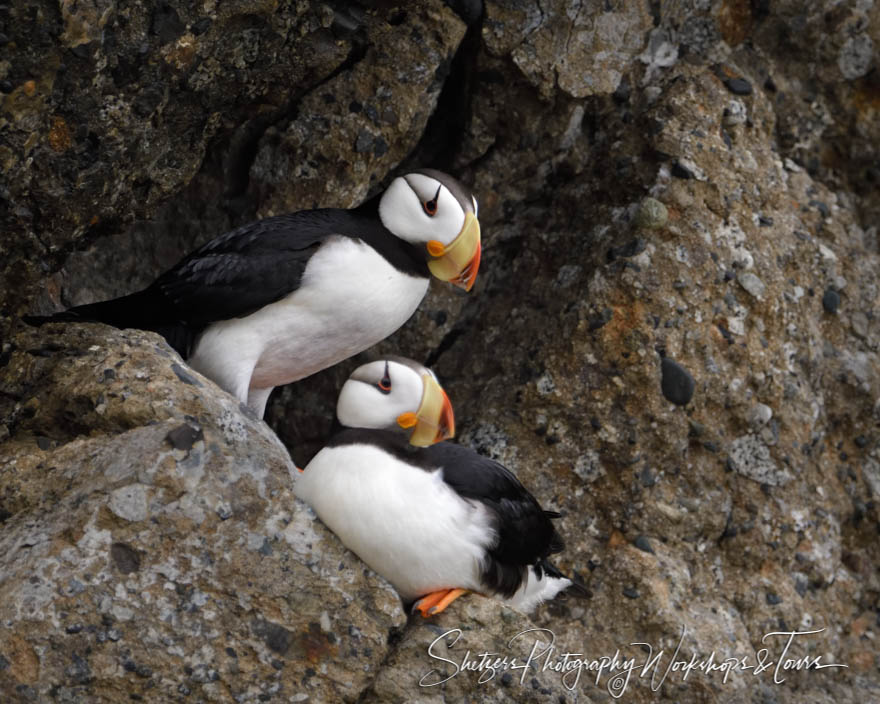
column 385, row 382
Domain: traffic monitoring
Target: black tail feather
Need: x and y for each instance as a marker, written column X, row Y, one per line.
column 577, row 588
column 131, row 311
column 136, row 310
column 141, row 310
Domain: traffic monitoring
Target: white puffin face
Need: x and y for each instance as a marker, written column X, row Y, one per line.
column 426, row 205
column 397, row 393
column 431, row 208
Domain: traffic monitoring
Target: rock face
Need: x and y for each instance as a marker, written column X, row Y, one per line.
column 152, row 546
column 691, row 182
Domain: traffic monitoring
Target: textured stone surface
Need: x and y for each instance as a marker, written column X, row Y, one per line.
column 687, row 179
column 112, row 109
column 132, row 566
column 350, row 132
column 442, row 659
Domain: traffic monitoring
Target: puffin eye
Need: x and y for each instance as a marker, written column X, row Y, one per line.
column 385, row 382
column 430, row 206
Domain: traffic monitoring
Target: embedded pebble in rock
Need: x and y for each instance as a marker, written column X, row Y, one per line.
column 643, row 544
column 751, row 283
column 750, row 457
column 130, row 502
column 759, row 415
column 545, row 384
column 773, row 599
column 184, row 437
column 676, row 382
column 568, row 275
column 831, row 301
column 871, row 469
column 628, row 250
column 651, row 214
column 856, row 56
column 601, row 319
column 735, row 113
column 739, row 86
column 589, row 467
column 859, row 322
column 682, row 170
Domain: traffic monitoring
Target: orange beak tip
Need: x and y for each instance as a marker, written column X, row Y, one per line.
column 472, row 268
column 447, row 420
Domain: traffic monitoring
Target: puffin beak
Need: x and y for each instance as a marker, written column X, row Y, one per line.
column 434, row 421
column 446, row 426
column 458, row 261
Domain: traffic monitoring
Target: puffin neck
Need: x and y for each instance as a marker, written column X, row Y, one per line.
column 391, row 441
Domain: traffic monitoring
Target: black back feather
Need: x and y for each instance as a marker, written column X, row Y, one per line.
column 239, row 272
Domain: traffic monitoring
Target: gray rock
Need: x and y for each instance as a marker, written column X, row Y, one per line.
column 751, row 458
column 676, row 382
column 831, row 301
column 651, row 214
column 179, row 588
column 859, row 322
column 130, row 502
column 751, row 283
column 735, row 113
column 759, row 415
column 430, row 659
column 856, row 56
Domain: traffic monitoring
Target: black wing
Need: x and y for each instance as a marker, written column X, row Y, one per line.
column 243, row 270
column 526, row 535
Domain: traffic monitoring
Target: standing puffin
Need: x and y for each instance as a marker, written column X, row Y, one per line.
column 282, row 298
column 436, row 520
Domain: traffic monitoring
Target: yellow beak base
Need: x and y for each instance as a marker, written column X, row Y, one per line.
column 435, row 420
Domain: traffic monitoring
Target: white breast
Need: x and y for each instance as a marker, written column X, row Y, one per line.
column 349, row 299
column 404, row 522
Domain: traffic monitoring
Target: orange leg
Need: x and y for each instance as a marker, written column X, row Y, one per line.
column 436, row 602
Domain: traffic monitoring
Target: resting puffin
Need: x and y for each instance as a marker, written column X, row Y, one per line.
column 435, row 521
column 282, row 298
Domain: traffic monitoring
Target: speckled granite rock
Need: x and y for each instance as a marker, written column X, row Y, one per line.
column 348, row 133
column 109, row 110
column 686, row 180
column 579, row 49
column 442, row 659
column 152, row 546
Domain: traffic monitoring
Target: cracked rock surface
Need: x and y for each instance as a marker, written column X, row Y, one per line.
column 152, row 545
column 673, row 340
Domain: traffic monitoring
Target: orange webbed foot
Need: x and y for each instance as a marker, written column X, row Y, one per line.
column 436, row 602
